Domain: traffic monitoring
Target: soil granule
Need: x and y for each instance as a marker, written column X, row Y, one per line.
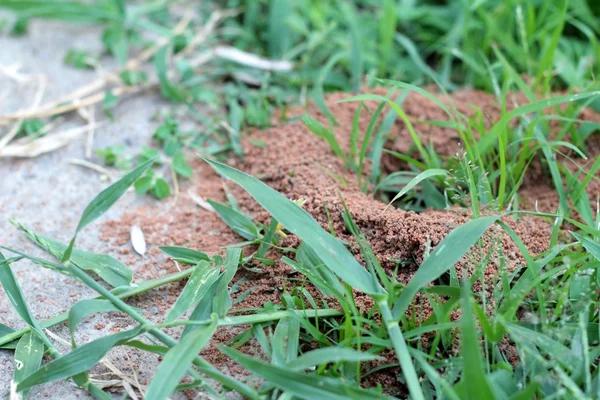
column 302, row 166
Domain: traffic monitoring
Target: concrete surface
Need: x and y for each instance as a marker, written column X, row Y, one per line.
column 49, row 194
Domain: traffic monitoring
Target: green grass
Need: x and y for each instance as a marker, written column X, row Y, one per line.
column 547, row 309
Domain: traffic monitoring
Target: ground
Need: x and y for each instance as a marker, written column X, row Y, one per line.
column 49, row 193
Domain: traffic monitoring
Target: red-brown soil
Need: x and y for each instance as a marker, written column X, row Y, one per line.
column 300, row 165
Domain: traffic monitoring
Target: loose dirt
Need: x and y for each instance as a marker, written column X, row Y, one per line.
column 301, row 166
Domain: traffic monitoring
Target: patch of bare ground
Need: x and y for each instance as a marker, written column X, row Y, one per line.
column 300, row 165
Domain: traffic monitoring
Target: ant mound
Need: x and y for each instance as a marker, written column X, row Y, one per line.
column 294, row 161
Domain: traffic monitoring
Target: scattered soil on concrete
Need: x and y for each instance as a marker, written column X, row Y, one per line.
column 301, row 166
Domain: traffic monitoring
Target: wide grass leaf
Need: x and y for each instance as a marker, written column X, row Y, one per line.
column 103, row 201
column 177, row 361
column 78, row 360
column 305, row 386
column 28, row 357
column 197, row 286
column 329, row 249
column 445, row 255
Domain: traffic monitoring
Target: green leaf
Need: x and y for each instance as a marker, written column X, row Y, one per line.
column 114, row 38
column 28, row 357
column 177, row 361
column 241, row 224
column 78, row 360
column 181, row 167
column 197, row 286
column 161, row 189
column 105, row 200
column 222, row 300
column 329, row 249
column 143, row 185
column 330, row 355
column 83, row 308
column 474, row 383
column 445, row 255
column 304, row 386
column 185, row 255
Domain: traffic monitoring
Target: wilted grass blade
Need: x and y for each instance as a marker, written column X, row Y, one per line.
column 28, row 357
column 177, row 361
column 197, row 286
column 78, row 360
column 103, row 201
column 331, row 251
column 305, row 386
column 445, row 255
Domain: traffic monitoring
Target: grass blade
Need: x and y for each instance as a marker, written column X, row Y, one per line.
column 445, row 255
column 185, row 255
column 474, row 383
column 103, row 201
column 330, row 355
column 82, row 309
column 416, row 180
column 197, row 286
column 222, row 299
column 304, row 386
column 331, row 251
column 318, row 129
column 28, row 357
column 237, row 221
column 77, row 361
column 178, row 360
